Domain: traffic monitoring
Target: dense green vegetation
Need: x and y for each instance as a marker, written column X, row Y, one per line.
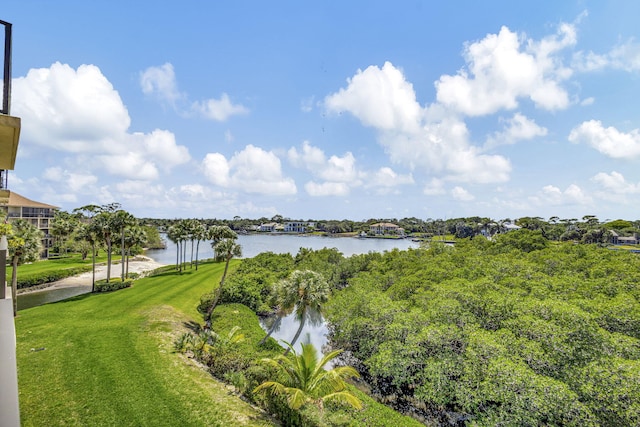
column 515, row 331
column 511, row 332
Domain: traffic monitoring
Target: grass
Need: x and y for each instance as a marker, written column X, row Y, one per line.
column 107, row 360
column 43, row 267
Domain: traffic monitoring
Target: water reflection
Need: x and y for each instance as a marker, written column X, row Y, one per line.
column 314, row 331
column 33, row 299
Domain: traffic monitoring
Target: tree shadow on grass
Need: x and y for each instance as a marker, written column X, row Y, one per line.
column 194, row 327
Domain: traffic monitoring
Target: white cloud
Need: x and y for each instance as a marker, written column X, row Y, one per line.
column 69, row 110
column 379, row 97
column 161, row 146
column 552, row 195
column 251, row 170
column 327, row 189
column 218, row 109
column 587, row 101
column 72, row 180
column 625, row 56
column 161, row 82
column 310, row 157
column 431, row 139
column 338, row 173
column 459, row 193
column 386, row 177
column 435, row 187
column 503, row 67
column 518, row 128
column 616, row 183
column 609, row 141
column 131, row 165
column 79, row 112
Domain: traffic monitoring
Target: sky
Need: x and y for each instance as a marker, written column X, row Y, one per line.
column 329, row 110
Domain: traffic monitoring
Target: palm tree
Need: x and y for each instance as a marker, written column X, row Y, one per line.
column 121, row 221
column 134, row 237
column 200, row 234
column 105, row 226
column 62, row 226
column 86, row 233
column 173, row 234
column 284, row 298
column 305, row 379
column 25, row 245
column 225, row 248
column 309, row 291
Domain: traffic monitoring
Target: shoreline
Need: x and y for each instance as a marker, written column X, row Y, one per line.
column 139, row 264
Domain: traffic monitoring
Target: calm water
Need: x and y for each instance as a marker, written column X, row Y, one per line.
column 252, row 245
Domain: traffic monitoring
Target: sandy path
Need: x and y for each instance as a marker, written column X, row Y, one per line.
column 138, row 264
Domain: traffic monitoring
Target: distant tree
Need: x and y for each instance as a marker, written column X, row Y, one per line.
column 61, row 227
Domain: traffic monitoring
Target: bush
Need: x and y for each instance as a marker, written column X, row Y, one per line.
column 113, row 285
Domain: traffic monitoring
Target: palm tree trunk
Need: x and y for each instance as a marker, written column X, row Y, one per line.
column 177, row 254
column 197, row 250
column 93, row 269
column 122, row 254
column 298, row 332
column 108, row 259
column 191, row 253
column 274, row 327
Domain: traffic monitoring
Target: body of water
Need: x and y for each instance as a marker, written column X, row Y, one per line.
column 252, row 245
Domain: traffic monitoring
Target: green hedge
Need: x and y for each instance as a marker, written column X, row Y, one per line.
column 113, row 285
column 41, row 278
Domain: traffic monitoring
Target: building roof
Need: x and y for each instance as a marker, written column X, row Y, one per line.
column 383, row 224
column 16, row 199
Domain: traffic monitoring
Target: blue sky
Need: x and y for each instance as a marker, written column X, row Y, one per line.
column 329, row 110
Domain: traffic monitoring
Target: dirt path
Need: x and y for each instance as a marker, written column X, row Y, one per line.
column 139, row 264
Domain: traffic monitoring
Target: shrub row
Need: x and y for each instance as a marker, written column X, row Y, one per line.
column 113, row 285
column 41, row 278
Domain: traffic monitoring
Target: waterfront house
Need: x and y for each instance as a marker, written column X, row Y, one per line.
column 269, row 227
column 295, row 227
column 617, row 239
column 382, row 228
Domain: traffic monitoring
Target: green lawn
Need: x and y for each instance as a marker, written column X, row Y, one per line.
column 106, row 360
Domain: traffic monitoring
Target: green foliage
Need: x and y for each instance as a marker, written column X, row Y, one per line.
column 304, row 379
column 113, row 285
column 253, row 281
column 516, row 332
column 524, row 240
